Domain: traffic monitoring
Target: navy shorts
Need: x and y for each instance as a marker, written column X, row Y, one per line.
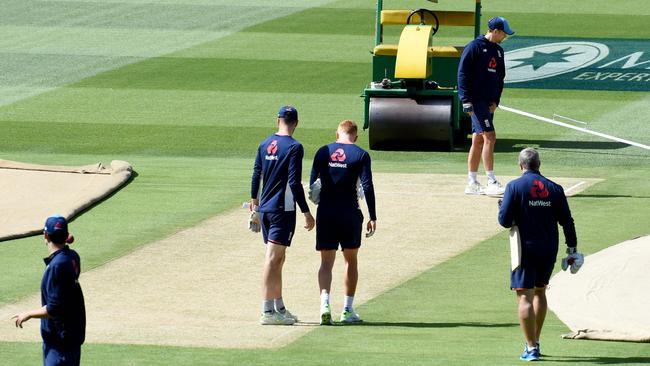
column 531, row 275
column 57, row 356
column 278, row 227
column 336, row 227
column 482, row 119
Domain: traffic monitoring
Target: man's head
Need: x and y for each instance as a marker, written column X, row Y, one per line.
column 347, row 132
column 56, row 230
column 288, row 115
column 529, row 159
column 499, row 29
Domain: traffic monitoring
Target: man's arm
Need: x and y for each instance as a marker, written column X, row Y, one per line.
column 295, row 177
column 506, row 210
column 465, row 68
column 315, row 167
column 255, row 181
column 502, row 75
column 566, row 220
column 368, row 187
column 26, row 315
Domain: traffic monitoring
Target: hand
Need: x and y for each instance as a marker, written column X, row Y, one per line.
column 573, row 259
column 20, row 319
column 500, row 202
column 493, row 107
column 468, row 108
column 254, row 223
column 314, row 191
column 371, row 227
column 309, row 221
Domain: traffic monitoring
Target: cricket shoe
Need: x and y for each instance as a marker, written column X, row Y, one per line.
column 288, row 314
column 325, row 315
column 350, row 317
column 276, row 318
column 494, row 188
column 474, row 189
column 530, row 354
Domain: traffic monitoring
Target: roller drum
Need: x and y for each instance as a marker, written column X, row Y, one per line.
column 410, row 124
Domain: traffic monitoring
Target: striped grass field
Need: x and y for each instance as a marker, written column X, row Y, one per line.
column 185, row 89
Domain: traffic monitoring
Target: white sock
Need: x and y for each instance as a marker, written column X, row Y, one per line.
column 472, row 177
column 267, row 306
column 348, row 303
column 324, row 298
column 279, row 305
column 490, row 175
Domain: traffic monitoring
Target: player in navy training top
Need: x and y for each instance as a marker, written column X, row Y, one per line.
column 536, row 205
column 481, row 72
column 63, row 313
column 341, row 167
column 279, row 165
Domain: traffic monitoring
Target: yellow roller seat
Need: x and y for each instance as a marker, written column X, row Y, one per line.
column 413, row 61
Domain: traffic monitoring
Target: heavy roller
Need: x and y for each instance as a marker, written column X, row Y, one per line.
column 412, row 103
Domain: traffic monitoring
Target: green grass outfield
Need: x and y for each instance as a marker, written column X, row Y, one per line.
column 185, row 94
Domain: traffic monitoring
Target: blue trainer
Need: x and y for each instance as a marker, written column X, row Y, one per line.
column 530, row 355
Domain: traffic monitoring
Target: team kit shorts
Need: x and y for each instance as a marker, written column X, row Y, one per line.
column 482, row 119
column 338, row 227
column 278, row 227
column 532, row 274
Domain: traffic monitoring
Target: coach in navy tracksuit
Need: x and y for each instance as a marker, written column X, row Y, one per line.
column 536, row 205
column 341, row 166
column 63, row 314
column 279, row 165
column 481, row 72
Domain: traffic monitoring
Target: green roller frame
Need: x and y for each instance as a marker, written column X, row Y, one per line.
column 441, row 83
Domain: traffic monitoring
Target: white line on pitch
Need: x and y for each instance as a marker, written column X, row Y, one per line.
column 574, row 186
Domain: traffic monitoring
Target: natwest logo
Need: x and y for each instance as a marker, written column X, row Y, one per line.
column 338, row 155
column 272, row 149
column 538, row 190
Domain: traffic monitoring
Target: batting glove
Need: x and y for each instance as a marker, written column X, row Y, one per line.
column 468, row 108
column 254, row 224
column 314, row 191
column 574, row 260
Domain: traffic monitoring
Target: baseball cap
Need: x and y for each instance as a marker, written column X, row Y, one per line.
column 56, row 227
column 500, row 23
column 289, row 113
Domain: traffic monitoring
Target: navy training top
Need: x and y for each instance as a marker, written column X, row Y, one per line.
column 62, row 296
column 279, row 164
column 536, row 205
column 481, row 71
column 340, row 167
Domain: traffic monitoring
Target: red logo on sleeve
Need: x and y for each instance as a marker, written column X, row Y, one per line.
column 538, row 190
column 493, row 63
column 272, row 149
column 338, row 155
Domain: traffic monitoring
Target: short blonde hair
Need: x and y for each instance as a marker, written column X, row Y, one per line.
column 348, row 127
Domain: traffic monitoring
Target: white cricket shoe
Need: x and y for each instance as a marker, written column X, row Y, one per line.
column 326, row 314
column 474, row 189
column 288, row 314
column 276, row 318
column 350, row 317
column 494, row 188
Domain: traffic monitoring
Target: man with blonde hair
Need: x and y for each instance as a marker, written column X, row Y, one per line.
column 339, row 169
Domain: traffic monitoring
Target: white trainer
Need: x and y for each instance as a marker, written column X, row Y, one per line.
column 350, row 317
column 287, row 314
column 494, row 188
column 474, row 188
column 276, row 318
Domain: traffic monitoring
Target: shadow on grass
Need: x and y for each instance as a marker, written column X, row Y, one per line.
column 515, row 145
column 599, row 360
column 437, row 325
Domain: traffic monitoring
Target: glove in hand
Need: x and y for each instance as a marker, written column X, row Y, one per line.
column 254, row 224
column 574, row 260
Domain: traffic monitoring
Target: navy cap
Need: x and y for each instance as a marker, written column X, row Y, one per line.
column 289, row 113
column 500, row 23
column 56, row 223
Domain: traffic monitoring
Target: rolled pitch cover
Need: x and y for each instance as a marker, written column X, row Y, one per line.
column 410, row 124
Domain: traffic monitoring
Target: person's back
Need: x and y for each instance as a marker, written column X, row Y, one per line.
column 539, row 205
column 277, row 156
column 341, row 168
column 61, row 293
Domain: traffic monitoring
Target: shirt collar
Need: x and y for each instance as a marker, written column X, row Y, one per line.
column 51, row 256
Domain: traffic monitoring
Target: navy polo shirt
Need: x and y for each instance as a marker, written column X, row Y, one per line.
column 62, row 296
column 481, row 72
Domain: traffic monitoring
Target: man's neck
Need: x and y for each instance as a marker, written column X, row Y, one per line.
column 52, row 248
column 284, row 131
column 489, row 37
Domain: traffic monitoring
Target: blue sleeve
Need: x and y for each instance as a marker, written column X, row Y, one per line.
column 60, row 278
column 315, row 168
column 465, row 70
column 295, row 177
column 506, row 211
column 502, row 75
column 563, row 214
column 368, row 187
column 257, row 174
